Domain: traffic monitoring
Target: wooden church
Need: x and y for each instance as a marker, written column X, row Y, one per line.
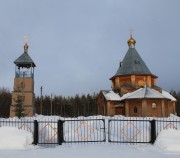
column 134, row 90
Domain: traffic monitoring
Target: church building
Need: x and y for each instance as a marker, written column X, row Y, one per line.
column 134, row 90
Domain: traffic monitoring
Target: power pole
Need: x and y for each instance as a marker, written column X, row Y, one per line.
column 51, row 104
column 41, row 100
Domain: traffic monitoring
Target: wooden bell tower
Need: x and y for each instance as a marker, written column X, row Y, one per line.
column 24, row 83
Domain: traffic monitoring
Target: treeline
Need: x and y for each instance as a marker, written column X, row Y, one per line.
column 5, row 102
column 177, row 96
column 84, row 105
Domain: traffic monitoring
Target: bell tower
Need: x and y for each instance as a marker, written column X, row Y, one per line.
column 24, row 83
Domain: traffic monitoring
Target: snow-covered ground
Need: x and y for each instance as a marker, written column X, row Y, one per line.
column 14, row 138
column 169, row 140
column 15, row 143
column 91, row 151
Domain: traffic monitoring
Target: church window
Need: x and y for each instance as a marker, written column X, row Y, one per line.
column 154, row 105
column 135, row 109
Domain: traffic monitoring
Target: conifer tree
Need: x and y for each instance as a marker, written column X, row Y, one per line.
column 19, row 109
column 5, row 102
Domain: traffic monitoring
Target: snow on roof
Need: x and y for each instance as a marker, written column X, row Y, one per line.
column 145, row 93
column 168, row 95
column 110, row 95
column 140, row 93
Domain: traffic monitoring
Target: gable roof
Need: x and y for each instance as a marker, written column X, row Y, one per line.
column 141, row 93
column 147, row 93
column 111, row 95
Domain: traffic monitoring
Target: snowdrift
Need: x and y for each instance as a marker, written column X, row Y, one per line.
column 169, row 140
column 14, row 138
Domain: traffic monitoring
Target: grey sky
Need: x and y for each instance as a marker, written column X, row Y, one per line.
column 77, row 44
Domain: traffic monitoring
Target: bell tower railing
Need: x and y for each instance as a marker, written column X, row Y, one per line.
column 24, row 75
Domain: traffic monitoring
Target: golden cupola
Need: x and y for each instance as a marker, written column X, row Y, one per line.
column 131, row 42
column 26, row 48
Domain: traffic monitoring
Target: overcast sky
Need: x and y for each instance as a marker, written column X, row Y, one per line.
column 77, row 44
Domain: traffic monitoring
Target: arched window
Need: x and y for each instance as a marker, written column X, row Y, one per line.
column 135, row 109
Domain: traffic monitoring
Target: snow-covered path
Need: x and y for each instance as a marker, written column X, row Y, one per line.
column 90, row 151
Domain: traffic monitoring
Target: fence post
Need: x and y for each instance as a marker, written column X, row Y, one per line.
column 60, row 132
column 153, row 131
column 109, row 131
column 35, row 132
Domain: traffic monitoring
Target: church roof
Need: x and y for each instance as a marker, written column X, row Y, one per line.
column 142, row 93
column 24, row 60
column 168, row 95
column 111, row 95
column 147, row 93
column 132, row 63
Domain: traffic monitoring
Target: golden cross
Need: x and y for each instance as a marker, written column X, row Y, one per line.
column 26, row 38
column 130, row 31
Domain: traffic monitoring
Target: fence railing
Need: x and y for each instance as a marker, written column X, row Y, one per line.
column 24, row 75
column 20, row 124
column 47, row 132
column 163, row 124
column 93, row 130
column 129, row 131
column 84, row 130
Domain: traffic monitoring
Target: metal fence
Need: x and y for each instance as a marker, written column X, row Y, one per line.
column 163, row 124
column 47, row 132
column 84, row 130
column 129, row 131
column 20, row 124
column 93, row 130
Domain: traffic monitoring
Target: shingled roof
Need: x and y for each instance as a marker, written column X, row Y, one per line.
column 24, row 60
column 132, row 63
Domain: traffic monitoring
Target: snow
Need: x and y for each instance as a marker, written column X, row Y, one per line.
column 140, row 93
column 147, row 93
column 14, row 138
column 167, row 145
column 168, row 95
column 90, row 151
column 169, row 140
column 110, row 95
